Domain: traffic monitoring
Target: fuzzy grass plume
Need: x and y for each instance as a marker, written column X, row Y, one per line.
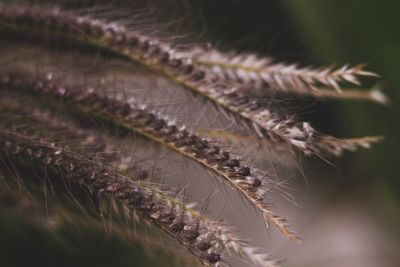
column 162, row 58
column 70, row 132
column 248, row 181
column 204, row 238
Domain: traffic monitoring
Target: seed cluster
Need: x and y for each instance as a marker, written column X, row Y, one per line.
column 162, row 58
column 226, row 80
column 204, row 238
column 145, row 122
column 244, row 178
column 251, row 69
